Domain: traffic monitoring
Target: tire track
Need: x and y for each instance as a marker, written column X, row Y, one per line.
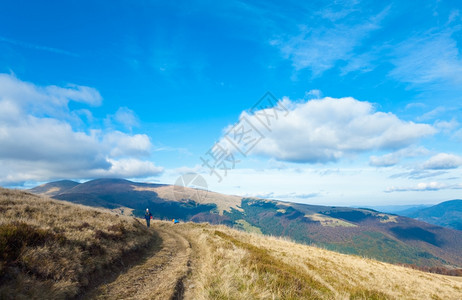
column 160, row 276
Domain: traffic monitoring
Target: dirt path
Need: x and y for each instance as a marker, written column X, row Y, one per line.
column 160, row 276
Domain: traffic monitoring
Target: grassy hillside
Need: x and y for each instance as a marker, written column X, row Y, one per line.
column 55, row 250
column 52, row 249
column 232, row 264
column 366, row 232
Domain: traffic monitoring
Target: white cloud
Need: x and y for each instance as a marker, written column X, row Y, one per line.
column 50, row 101
column 440, row 110
column 437, row 165
column 130, row 167
column 38, row 141
column 361, row 62
column 386, row 160
column 31, row 138
column 418, row 174
column 324, row 130
column 391, row 159
column 447, row 126
column 76, row 93
column 320, row 48
column 123, row 144
column 424, row 186
column 123, row 119
column 126, row 117
column 316, row 94
column 431, row 58
column 415, row 105
column 458, row 135
column 443, row 161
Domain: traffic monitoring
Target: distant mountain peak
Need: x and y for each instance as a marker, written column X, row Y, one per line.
column 447, row 214
column 54, row 188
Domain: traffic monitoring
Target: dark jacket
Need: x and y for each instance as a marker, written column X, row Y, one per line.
column 147, row 215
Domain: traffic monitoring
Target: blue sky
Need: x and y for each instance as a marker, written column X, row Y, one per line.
column 366, row 110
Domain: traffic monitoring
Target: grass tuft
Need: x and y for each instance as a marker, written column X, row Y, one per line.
column 54, row 249
column 281, row 278
column 365, row 294
column 16, row 236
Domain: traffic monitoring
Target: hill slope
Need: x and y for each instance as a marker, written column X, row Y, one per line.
column 57, row 249
column 237, row 265
column 365, row 232
column 447, row 214
column 64, row 246
column 54, row 188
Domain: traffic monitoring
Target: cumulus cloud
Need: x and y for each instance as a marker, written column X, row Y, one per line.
column 122, row 144
column 391, row 159
column 130, row 167
column 322, row 130
column 49, row 101
column 443, row 161
column 29, row 139
column 424, row 186
column 39, row 142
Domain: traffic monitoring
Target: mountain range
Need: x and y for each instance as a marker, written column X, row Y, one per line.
column 446, row 214
column 364, row 232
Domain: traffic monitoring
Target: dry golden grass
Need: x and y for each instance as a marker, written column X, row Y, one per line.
column 229, row 264
column 53, row 249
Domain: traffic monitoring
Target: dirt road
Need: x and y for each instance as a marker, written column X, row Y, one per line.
column 160, row 276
